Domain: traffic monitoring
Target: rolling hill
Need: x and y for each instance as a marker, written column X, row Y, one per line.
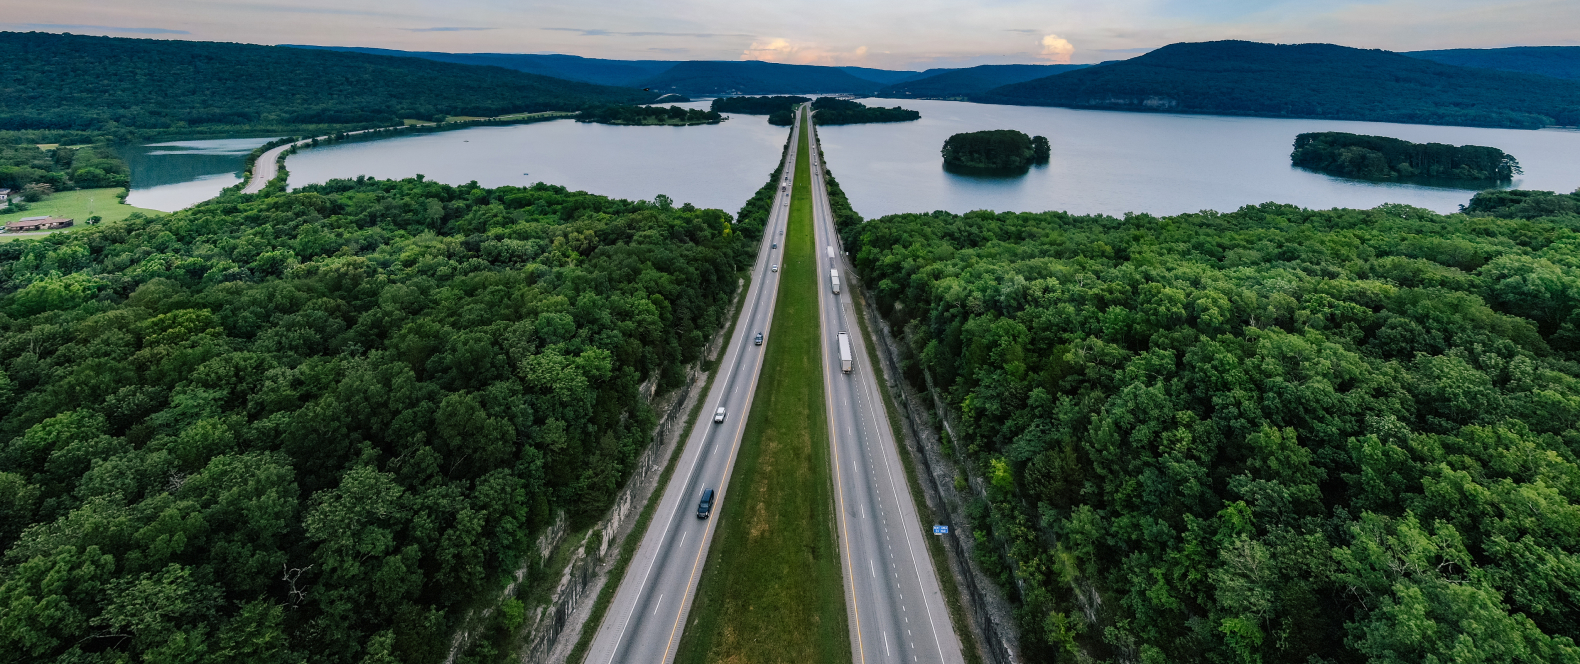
column 568, row 67
column 755, row 77
column 115, row 86
column 1554, row 61
column 966, row 83
column 1305, row 81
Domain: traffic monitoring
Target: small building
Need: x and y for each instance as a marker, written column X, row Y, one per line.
column 5, row 194
column 38, row 224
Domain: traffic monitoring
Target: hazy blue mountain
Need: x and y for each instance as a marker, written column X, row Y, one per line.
column 964, row 83
column 1305, row 81
column 754, row 77
column 883, row 76
column 1555, row 61
column 569, row 67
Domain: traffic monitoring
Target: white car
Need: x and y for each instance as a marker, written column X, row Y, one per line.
column 718, row 415
column 776, row 267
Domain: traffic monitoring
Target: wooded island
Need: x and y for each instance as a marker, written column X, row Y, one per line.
column 1384, row 158
column 998, row 149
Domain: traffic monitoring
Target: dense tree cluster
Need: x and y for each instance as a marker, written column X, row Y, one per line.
column 61, row 168
column 834, row 111
column 309, row 427
column 1384, row 158
column 1305, row 81
column 757, row 105
column 996, row 149
column 649, row 115
column 1274, row 435
column 119, row 87
column 1523, row 204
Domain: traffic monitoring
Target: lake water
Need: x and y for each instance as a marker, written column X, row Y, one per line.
column 711, row 166
column 173, row 175
column 1115, row 162
column 1103, row 161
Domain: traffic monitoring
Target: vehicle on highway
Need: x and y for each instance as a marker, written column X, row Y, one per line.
column 776, row 267
column 830, row 252
column 759, row 340
column 718, row 415
column 846, row 361
column 705, row 507
column 834, row 274
column 776, row 245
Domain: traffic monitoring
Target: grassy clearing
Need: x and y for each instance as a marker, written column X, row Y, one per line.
column 772, row 590
column 935, row 546
column 78, row 204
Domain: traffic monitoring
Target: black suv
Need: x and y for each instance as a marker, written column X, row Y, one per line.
column 705, row 507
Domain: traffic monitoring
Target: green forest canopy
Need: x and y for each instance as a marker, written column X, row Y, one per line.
column 757, row 105
column 62, row 168
column 388, row 386
column 1384, row 158
column 1273, row 435
column 834, row 111
column 1305, row 81
column 123, row 87
column 996, row 149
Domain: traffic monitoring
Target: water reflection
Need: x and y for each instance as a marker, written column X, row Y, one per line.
column 172, row 175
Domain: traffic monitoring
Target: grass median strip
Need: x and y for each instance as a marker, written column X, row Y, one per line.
column 771, row 590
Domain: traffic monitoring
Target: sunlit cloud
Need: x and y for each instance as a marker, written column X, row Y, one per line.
column 787, row 52
column 597, row 32
column 446, row 29
column 1057, row 49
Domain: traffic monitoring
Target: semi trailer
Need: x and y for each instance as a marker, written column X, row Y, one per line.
column 834, row 275
column 845, row 359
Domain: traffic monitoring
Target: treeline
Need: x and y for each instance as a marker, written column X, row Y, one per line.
column 125, row 88
column 1273, row 435
column 997, row 150
column 1384, row 158
column 833, row 111
column 62, row 168
column 649, row 115
column 757, row 105
column 1522, row 204
column 314, row 426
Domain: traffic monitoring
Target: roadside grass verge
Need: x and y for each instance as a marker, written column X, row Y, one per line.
column 772, row 590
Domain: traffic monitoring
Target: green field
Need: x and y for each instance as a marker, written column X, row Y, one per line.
column 771, row 590
column 79, row 205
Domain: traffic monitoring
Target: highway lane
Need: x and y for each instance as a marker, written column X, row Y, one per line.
column 892, row 594
column 649, row 608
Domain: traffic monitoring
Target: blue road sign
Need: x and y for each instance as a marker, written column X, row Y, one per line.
column 940, row 530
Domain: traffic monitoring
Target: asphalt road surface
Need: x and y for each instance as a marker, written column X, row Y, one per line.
column 649, row 608
column 896, row 609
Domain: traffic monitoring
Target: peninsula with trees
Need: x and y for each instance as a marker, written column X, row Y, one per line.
column 834, row 111
column 1384, row 158
column 1004, row 150
column 674, row 116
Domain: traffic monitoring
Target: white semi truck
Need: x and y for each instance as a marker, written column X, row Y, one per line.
column 834, row 275
column 845, row 359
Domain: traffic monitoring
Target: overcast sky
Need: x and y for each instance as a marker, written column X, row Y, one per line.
column 890, row 34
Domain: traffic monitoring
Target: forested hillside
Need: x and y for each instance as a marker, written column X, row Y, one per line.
column 312, row 426
column 62, row 168
column 1274, row 435
column 1305, row 81
column 103, row 86
column 1554, row 61
column 756, row 77
column 965, row 83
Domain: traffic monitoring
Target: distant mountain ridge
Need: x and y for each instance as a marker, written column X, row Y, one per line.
column 1305, row 81
column 965, row 83
column 1554, row 61
column 568, row 67
column 749, row 77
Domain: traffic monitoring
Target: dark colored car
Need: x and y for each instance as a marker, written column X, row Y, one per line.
column 759, row 338
column 705, row 507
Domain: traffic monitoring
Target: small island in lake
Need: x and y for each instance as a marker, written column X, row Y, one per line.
column 995, row 150
column 757, row 105
column 649, row 115
column 832, row 111
column 1384, row 158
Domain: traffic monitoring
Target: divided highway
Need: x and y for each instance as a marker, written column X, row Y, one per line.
column 649, row 608
column 896, row 608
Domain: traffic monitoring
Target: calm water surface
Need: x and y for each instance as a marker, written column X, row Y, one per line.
column 711, row 166
column 1114, row 162
column 179, row 174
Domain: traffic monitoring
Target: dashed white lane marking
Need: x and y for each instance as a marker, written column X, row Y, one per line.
column 657, row 604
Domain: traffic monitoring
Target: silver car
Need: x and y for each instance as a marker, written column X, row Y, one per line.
column 718, row 415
